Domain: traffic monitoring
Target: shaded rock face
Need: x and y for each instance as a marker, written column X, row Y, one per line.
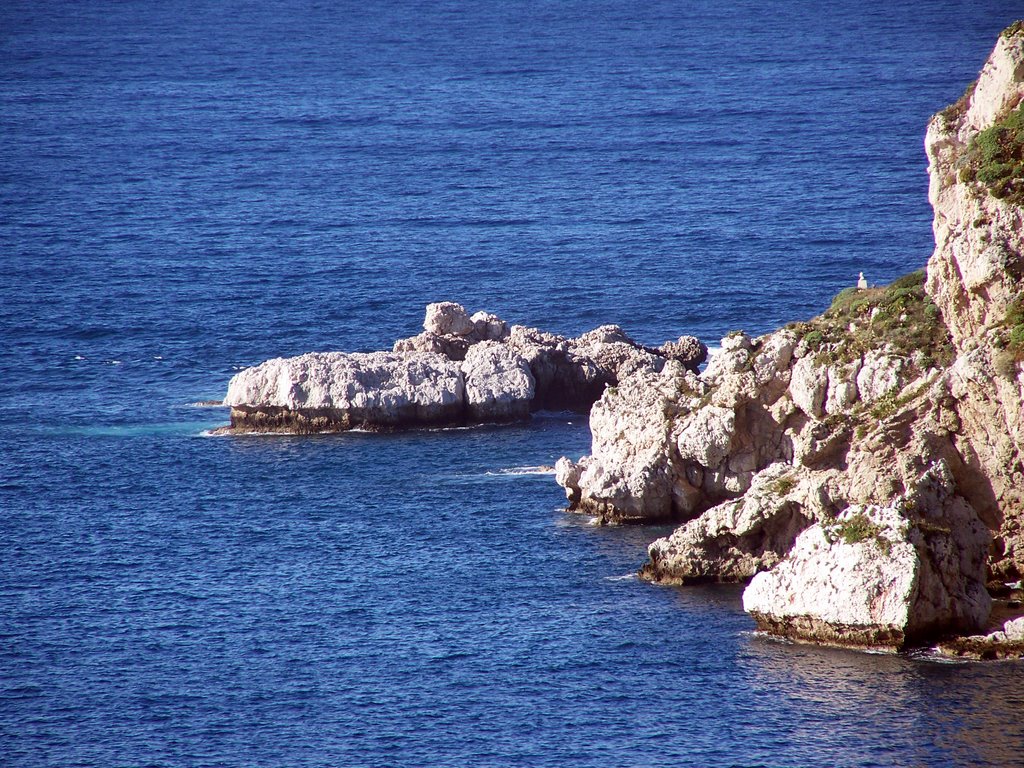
column 974, row 275
column 461, row 369
column 881, row 576
column 865, row 486
column 733, row 540
column 1006, row 642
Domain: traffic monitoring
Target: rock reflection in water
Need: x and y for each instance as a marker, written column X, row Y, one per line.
column 857, row 708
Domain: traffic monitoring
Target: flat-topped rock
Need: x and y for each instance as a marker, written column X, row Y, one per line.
column 331, row 391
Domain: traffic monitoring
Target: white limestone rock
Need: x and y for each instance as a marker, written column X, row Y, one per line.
column 734, row 540
column 1000, row 84
column 830, row 591
column 707, row 436
column 563, row 379
column 774, row 357
column 614, row 353
column 1013, row 630
column 489, row 327
column 974, row 274
column 499, row 385
column 629, row 475
column 881, row 576
column 880, row 374
column 358, row 389
column 689, row 350
column 452, row 347
column 808, row 386
column 446, row 318
column 733, row 357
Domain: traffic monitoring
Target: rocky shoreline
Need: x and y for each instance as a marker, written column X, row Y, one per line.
column 862, row 471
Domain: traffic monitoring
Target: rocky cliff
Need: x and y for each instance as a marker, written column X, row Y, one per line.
column 461, row 369
column 862, row 470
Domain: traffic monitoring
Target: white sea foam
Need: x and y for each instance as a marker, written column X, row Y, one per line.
column 516, row 471
column 623, row 577
column 216, row 432
column 932, row 656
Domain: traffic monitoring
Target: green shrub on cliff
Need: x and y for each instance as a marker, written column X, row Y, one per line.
column 955, row 111
column 856, row 529
column 1014, row 325
column 1017, row 28
column 995, row 158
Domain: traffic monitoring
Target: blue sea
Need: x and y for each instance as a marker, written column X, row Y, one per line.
column 188, row 188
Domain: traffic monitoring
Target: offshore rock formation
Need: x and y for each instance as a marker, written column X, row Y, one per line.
column 461, row 370
column 863, row 470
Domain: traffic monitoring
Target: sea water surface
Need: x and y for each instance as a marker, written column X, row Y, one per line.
column 188, row 188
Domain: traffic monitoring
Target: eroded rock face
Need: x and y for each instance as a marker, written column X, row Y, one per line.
column 975, row 273
column 499, row 385
column 452, row 347
column 734, row 540
column 460, row 369
column 881, row 576
column 446, row 318
column 701, row 439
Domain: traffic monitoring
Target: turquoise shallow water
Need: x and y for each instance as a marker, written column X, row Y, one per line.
column 191, row 188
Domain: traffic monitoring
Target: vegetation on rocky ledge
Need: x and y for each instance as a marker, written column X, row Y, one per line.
column 1017, row 28
column 900, row 315
column 858, row 528
column 995, row 158
column 954, row 111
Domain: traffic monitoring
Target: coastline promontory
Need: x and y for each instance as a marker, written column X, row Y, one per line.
column 863, row 470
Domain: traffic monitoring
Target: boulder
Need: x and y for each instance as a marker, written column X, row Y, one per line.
column 489, row 327
column 452, row 347
column 881, row 577
column 688, row 350
column 446, row 318
column 734, row 540
column 808, row 386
